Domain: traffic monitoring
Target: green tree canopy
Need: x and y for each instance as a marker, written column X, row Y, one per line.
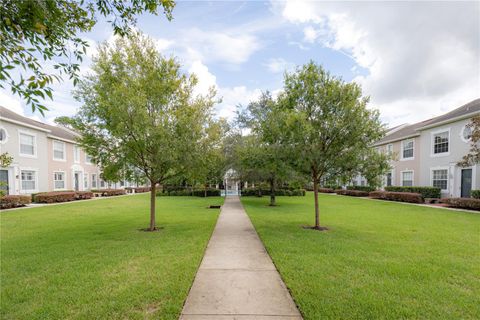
column 34, row 32
column 330, row 127
column 139, row 111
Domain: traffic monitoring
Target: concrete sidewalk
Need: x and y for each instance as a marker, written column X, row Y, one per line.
column 237, row 279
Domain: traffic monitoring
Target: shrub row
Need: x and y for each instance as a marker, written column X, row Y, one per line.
column 326, row 190
column 82, row 195
column 462, row 203
column 254, row 192
column 353, row 193
column 137, row 189
column 361, row 188
column 397, row 196
column 210, row 192
column 109, row 192
column 426, row 192
column 56, row 196
column 14, row 201
column 475, row 194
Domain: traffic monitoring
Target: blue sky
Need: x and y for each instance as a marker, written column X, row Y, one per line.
column 415, row 60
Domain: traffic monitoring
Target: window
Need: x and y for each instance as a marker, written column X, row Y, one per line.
column 94, row 180
column 27, row 144
column 466, row 133
column 407, row 149
column 88, row 159
column 29, row 180
column 58, row 150
column 389, row 148
column 3, row 135
column 85, row 181
column 407, row 178
column 59, row 180
column 122, row 183
column 440, row 179
column 76, row 154
column 440, row 142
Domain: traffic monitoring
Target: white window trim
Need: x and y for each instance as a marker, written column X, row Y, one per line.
column 64, row 159
column 22, row 191
column 91, row 180
column 448, row 177
column 86, row 178
column 86, row 161
column 64, row 180
column 75, row 148
column 413, row 177
column 391, row 144
column 401, row 150
column 6, row 135
column 28, row 133
column 461, row 135
column 432, row 143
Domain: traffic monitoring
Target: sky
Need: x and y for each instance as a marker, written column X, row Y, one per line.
column 415, row 60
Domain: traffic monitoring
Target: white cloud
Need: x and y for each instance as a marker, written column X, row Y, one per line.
column 232, row 97
column 422, row 58
column 11, row 102
column 163, row 44
column 278, row 65
column 206, row 80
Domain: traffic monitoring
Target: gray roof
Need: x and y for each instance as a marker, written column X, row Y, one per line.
column 414, row 129
column 56, row 131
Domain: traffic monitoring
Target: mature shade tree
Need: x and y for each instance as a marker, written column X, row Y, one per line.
column 34, row 33
column 139, row 111
column 473, row 156
column 330, row 127
column 263, row 154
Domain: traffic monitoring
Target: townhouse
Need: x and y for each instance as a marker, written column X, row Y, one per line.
column 426, row 153
column 45, row 158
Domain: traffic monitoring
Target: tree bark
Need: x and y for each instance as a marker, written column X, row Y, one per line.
column 315, row 195
column 272, row 192
column 152, row 206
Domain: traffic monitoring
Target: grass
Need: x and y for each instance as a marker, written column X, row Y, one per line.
column 378, row 260
column 88, row 260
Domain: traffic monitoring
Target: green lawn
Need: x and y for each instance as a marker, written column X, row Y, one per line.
column 88, row 260
column 378, row 260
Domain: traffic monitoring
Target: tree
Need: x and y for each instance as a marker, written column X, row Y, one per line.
column 139, row 111
column 262, row 153
column 329, row 126
column 35, row 32
column 473, row 156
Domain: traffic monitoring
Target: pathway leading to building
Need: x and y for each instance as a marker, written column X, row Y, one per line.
column 237, row 279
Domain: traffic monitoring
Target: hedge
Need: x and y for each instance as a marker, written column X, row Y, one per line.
column 82, row 195
column 462, row 203
column 326, row 190
column 186, row 192
column 141, row 189
column 56, row 196
column 254, row 192
column 109, row 192
column 397, row 196
column 14, row 201
column 426, row 192
column 475, row 194
column 332, row 186
column 353, row 193
column 361, row 188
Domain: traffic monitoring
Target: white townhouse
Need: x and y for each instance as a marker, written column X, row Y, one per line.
column 427, row 153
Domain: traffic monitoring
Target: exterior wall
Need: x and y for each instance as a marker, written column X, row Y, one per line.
column 400, row 165
column 35, row 163
column 70, row 168
column 458, row 147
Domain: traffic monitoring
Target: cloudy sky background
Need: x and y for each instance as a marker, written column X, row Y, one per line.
column 416, row 60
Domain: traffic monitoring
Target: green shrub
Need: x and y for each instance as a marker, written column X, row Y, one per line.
column 361, row 188
column 211, row 192
column 397, row 196
column 332, row 186
column 352, row 193
column 475, row 194
column 257, row 192
column 426, row 192
column 326, row 190
column 462, row 203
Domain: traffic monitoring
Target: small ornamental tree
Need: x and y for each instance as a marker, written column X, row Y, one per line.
column 330, row 128
column 473, row 156
column 263, row 154
column 139, row 111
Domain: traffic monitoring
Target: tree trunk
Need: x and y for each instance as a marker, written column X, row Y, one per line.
column 152, row 206
column 315, row 195
column 272, row 192
column 205, row 189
